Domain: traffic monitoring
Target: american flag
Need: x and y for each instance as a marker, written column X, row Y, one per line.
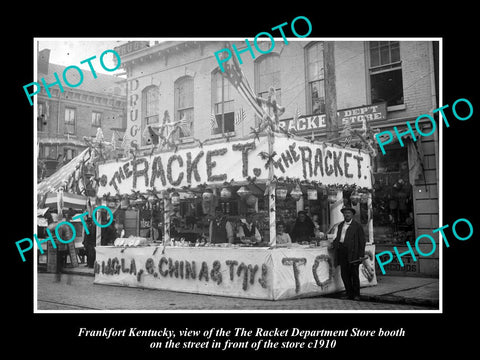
column 240, row 116
column 234, row 74
column 296, row 116
column 184, row 126
column 213, row 121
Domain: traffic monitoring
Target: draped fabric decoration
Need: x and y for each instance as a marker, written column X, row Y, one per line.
column 66, row 175
column 235, row 75
column 166, row 131
column 213, row 121
column 240, row 116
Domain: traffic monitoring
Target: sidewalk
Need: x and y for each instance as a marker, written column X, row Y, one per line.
column 421, row 291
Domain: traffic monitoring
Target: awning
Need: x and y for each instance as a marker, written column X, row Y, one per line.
column 61, row 141
column 74, row 201
column 62, row 175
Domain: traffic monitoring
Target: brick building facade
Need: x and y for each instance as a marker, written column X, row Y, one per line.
column 385, row 82
column 65, row 118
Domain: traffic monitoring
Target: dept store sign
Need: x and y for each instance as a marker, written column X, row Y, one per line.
column 352, row 115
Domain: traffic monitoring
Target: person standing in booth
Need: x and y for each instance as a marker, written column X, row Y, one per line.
column 349, row 247
column 303, row 229
column 248, row 231
column 221, row 230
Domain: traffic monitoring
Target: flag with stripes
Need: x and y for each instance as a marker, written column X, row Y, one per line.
column 234, row 74
column 184, row 126
column 296, row 116
column 213, row 121
column 240, row 116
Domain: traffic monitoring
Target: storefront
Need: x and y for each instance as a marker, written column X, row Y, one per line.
column 188, row 213
column 405, row 182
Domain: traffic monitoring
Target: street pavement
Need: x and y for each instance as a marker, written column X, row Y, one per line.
column 74, row 291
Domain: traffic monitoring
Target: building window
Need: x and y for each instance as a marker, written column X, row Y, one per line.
column 68, row 154
column 267, row 74
column 96, row 119
column 184, row 102
column 150, row 104
column 315, row 79
column 48, row 152
column 41, row 117
column 69, row 121
column 386, row 72
column 392, row 202
column 223, row 104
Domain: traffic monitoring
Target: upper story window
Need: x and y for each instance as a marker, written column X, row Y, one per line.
column 150, row 104
column 96, row 119
column 267, row 74
column 184, row 102
column 315, row 78
column 223, row 104
column 70, row 121
column 41, row 117
column 385, row 71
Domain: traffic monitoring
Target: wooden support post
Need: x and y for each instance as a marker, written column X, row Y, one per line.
column 271, row 193
column 332, row 126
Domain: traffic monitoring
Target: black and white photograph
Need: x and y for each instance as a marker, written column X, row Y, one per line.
column 294, row 182
column 262, row 174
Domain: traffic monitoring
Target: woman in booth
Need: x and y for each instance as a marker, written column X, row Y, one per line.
column 303, row 229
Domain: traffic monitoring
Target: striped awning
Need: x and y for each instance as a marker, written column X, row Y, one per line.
column 62, row 175
column 73, row 201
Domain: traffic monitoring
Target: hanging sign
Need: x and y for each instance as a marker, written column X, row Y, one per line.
column 352, row 115
column 217, row 163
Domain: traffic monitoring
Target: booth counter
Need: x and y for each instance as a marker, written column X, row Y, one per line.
column 246, row 272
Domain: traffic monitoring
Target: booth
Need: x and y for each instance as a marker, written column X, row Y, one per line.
column 169, row 200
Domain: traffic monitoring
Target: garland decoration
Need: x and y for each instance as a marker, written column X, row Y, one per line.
column 203, row 271
column 140, row 272
column 263, row 280
column 215, row 273
column 211, row 164
column 149, row 266
column 318, row 259
column 190, row 270
column 267, row 157
column 295, row 262
column 252, row 270
column 231, row 264
column 244, row 268
column 133, row 267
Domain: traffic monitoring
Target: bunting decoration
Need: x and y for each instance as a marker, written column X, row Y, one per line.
column 213, row 121
column 240, row 116
column 63, row 175
column 150, row 136
column 166, row 131
column 234, row 74
column 346, row 133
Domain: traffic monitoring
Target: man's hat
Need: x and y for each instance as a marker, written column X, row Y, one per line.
column 348, row 208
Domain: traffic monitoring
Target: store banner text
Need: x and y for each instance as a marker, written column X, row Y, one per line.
column 239, row 161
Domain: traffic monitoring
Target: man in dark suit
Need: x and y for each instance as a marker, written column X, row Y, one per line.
column 349, row 246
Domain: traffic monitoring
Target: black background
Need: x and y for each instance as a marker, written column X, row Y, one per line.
column 55, row 335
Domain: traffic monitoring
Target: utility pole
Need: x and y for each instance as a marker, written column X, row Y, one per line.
column 331, row 119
